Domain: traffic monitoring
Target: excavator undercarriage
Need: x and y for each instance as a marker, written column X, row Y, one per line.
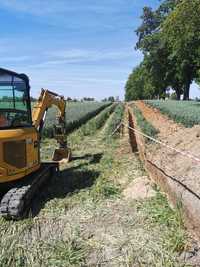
column 17, row 198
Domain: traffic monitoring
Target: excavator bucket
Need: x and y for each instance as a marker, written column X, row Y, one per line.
column 62, row 153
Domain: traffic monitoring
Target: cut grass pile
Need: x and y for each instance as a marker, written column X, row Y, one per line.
column 185, row 112
column 143, row 124
column 77, row 113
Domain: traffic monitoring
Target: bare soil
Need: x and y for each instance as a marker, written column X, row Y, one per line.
column 183, row 170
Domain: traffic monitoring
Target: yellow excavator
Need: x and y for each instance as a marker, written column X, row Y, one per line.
column 21, row 170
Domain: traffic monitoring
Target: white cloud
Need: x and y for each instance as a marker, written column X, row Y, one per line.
column 78, row 56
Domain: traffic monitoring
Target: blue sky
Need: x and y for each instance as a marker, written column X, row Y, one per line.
column 74, row 47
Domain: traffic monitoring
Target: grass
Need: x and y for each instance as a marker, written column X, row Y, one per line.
column 185, row 112
column 159, row 212
column 83, row 219
column 143, row 124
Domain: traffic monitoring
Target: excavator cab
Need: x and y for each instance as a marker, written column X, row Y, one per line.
column 15, row 107
column 19, row 147
column 21, row 127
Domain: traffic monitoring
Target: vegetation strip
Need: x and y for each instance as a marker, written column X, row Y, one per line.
column 99, row 121
column 83, row 112
column 186, row 112
column 143, row 124
column 116, row 119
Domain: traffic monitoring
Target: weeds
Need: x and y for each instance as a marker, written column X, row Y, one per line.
column 159, row 212
column 84, row 219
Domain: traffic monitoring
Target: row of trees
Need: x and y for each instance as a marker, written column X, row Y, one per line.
column 169, row 38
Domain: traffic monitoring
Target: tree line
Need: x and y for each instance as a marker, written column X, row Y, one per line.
column 169, row 38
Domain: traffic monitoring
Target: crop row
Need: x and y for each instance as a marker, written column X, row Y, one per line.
column 99, row 120
column 185, row 112
column 145, row 126
column 76, row 114
column 115, row 121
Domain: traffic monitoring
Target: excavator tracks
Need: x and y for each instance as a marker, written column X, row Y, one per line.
column 17, row 201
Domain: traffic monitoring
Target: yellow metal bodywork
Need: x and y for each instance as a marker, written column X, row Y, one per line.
column 30, row 137
column 10, row 173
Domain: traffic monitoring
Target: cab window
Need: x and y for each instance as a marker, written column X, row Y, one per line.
column 14, row 106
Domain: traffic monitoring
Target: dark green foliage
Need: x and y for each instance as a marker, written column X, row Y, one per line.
column 143, row 124
column 135, row 86
column 169, row 38
column 100, row 120
column 182, row 37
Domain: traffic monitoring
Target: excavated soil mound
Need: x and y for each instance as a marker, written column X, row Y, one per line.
column 139, row 189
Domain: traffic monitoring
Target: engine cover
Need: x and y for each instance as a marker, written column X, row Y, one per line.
column 14, row 153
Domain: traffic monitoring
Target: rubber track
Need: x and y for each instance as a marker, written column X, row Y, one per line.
column 16, row 202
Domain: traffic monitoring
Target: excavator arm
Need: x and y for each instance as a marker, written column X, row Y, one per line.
column 46, row 100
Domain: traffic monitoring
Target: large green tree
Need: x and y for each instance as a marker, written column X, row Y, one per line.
column 156, row 53
column 141, row 84
column 181, row 33
column 135, row 85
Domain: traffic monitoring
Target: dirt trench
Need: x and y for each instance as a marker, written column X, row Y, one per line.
column 178, row 175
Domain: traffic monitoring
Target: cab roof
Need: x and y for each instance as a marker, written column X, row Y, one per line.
column 21, row 76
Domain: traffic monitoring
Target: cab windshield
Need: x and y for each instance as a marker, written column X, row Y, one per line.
column 14, row 102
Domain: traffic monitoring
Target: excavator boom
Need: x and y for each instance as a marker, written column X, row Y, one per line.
column 46, row 100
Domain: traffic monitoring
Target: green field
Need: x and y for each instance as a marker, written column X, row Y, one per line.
column 74, row 111
column 18, row 105
column 77, row 113
column 185, row 112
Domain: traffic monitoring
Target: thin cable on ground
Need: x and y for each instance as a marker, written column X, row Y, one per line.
column 184, row 153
